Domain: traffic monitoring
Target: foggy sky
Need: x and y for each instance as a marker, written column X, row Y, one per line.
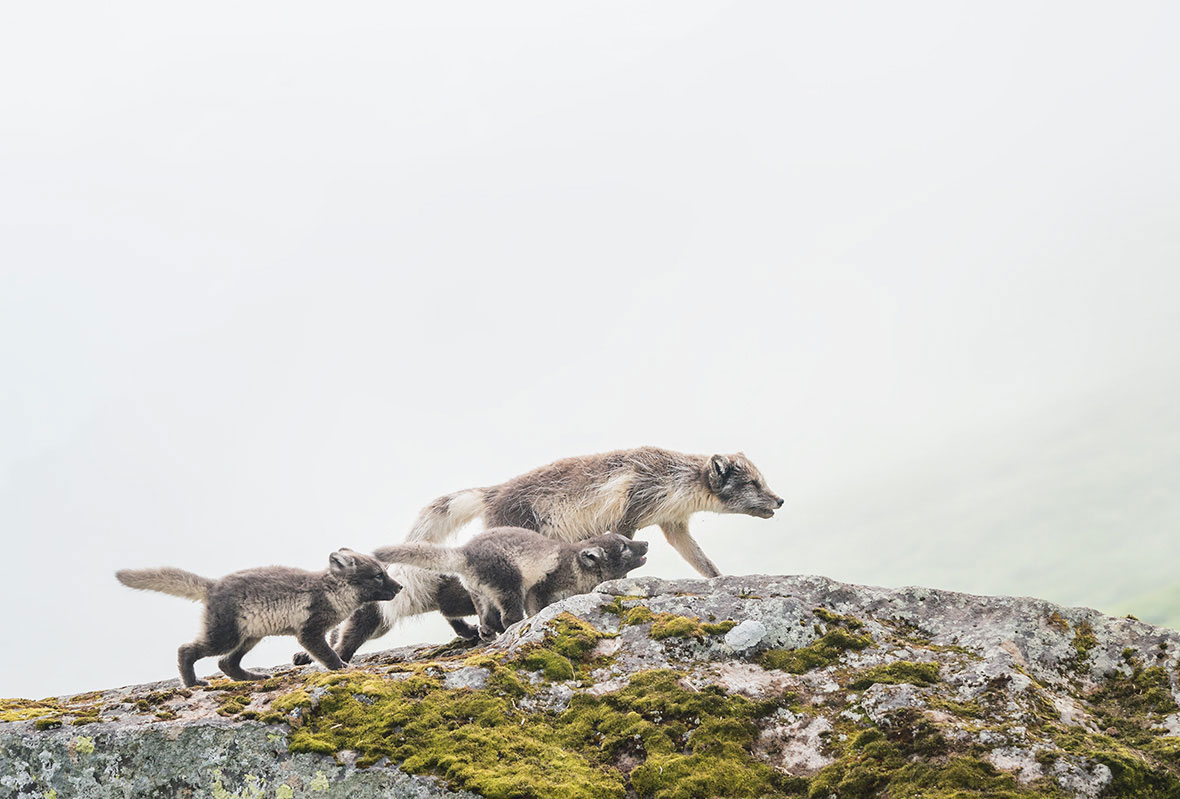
column 274, row 276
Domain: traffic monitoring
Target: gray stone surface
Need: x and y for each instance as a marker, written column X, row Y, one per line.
column 1016, row 656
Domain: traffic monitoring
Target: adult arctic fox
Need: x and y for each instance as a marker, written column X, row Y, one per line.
column 578, row 498
column 619, row 492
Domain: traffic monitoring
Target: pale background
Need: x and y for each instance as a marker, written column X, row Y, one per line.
column 276, row 275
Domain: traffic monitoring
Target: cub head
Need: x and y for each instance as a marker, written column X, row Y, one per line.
column 365, row 574
column 740, row 486
column 611, row 556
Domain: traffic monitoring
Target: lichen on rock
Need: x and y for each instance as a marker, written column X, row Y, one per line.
column 739, row 686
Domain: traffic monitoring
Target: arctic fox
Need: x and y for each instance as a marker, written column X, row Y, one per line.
column 244, row 607
column 511, row 572
column 574, row 499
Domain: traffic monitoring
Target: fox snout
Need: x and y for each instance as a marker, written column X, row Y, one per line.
column 638, row 553
column 391, row 589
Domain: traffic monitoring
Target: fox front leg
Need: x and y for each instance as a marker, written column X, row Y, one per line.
column 682, row 541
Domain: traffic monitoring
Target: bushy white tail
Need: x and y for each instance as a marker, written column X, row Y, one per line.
column 445, row 515
column 437, row 522
column 424, row 556
column 176, row 582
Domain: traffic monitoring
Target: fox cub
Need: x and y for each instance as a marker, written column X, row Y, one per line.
column 511, row 572
column 244, row 607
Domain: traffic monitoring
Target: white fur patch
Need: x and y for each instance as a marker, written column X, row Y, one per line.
column 417, row 594
column 534, row 570
column 466, row 506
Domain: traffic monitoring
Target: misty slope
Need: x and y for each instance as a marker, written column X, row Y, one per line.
column 1160, row 607
column 1081, row 509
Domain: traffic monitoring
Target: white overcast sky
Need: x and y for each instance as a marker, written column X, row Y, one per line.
column 274, row 275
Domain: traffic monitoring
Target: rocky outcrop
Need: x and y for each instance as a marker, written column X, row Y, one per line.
column 739, row 686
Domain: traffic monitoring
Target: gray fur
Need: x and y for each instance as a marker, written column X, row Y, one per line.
column 623, row 491
column 244, row 607
column 511, row 572
column 578, row 498
column 176, row 582
column 431, row 591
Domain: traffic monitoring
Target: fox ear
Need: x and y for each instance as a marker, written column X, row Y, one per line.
column 341, row 561
column 590, row 557
column 718, row 470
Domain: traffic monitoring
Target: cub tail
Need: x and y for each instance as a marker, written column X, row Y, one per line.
column 176, row 582
column 445, row 515
column 424, row 556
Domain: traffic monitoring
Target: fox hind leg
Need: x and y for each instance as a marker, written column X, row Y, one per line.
column 221, row 635
column 231, row 664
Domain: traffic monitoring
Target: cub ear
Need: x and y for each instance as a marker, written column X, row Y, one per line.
column 341, row 561
column 718, row 470
column 590, row 557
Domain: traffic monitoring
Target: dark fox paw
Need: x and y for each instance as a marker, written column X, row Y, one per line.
column 301, row 658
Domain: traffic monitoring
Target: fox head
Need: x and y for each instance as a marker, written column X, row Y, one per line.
column 740, row 486
column 611, row 556
column 365, row 574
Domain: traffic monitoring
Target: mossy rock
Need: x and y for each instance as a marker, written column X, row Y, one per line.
column 824, row 651
column 690, row 743
column 902, row 671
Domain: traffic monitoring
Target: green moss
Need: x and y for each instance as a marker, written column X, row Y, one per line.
column 969, row 710
column 45, row 723
column 640, row 614
column 1144, row 692
column 549, row 663
column 719, row 627
column 903, row 671
column 1047, row 757
column 568, row 646
column 824, row 651
column 837, row 620
column 667, row 625
column 1132, row 706
column 84, row 745
column 681, row 742
column 572, row 637
column 288, row 703
column 504, row 681
column 477, row 740
column 910, row 758
column 617, row 607
column 1083, row 641
column 1141, row 772
column 231, row 704
column 880, row 770
column 25, row 709
column 152, row 701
